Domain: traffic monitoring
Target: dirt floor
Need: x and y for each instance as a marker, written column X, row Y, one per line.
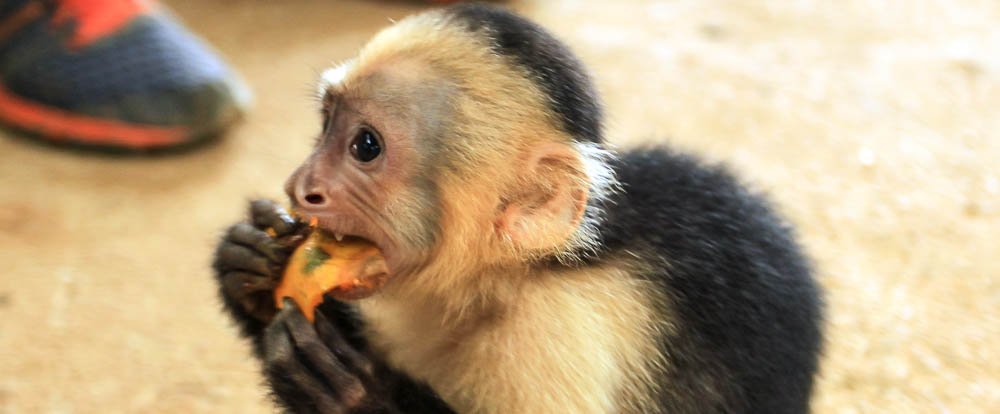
column 873, row 124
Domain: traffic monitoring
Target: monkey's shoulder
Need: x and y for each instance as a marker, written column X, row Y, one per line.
column 668, row 195
column 719, row 238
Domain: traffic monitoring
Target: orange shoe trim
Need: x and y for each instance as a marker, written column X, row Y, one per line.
column 61, row 125
column 95, row 19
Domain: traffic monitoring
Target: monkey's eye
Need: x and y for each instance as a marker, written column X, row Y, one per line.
column 365, row 146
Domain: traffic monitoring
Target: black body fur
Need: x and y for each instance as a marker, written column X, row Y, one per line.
column 745, row 306
column 747, row 309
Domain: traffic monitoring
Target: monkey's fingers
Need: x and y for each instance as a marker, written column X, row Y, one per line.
column 319, row 358
column 232, row 256
column 247, row 235
column 266, row 214
column 242, row 284
column 292, row 381
column 349, row 356
column 250, row 291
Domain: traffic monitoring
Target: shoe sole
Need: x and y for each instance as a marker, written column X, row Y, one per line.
column 63, row 128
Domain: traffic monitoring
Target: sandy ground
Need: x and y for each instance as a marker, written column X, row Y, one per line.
column 873, row 125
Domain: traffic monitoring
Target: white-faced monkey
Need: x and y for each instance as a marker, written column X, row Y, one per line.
column 531, row 270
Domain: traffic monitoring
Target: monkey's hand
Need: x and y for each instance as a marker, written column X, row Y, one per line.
column 313, row 369
column 249, row 262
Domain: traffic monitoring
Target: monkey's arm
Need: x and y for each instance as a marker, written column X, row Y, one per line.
column 313, row 368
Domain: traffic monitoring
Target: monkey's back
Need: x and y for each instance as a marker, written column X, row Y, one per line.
column 743, row 309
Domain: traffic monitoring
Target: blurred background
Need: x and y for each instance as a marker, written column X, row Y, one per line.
column 874, row 125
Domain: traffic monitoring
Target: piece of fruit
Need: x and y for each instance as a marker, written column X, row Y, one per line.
column 347, row 268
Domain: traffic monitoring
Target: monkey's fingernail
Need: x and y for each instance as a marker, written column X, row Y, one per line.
column 338, row 236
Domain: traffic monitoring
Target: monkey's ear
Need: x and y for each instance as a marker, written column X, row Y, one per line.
column 543, row 213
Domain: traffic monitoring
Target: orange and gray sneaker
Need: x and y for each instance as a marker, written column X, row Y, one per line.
column 111, row 74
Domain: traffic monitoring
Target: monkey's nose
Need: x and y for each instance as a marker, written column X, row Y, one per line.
column 311, row 198
column 314, row 199
column 307, row 192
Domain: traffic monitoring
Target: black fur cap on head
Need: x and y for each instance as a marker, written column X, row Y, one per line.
column 553, row 67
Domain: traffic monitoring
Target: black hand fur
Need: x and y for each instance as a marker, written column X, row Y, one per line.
column 249, row 262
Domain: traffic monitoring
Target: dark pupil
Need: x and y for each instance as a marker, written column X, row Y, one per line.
column 366, row 147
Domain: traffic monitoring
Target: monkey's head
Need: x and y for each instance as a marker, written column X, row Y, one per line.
column 459, row 141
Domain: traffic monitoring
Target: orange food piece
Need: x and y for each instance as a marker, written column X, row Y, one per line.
column 322, row 264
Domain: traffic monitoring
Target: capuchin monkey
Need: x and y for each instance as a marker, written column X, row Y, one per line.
column 531, row 269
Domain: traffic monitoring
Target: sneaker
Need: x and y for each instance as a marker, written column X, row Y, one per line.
column 111, row 74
